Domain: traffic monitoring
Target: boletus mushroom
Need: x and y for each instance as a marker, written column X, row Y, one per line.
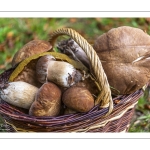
column 125, row 56
column 59, row 72
column 47, row 101
column 78, row 99
column 31, row 48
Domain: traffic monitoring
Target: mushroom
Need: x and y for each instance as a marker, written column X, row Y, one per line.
column 20, row 94
column 59, row 72
column 47, row 101
column 74, row 51
column 78, row 99
column 31, row 48
column 124, row 53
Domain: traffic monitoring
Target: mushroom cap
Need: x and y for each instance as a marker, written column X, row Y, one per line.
column 78, row 99
column 124, row 53
column 47, row 101
column 31, row 48
column 42, row 67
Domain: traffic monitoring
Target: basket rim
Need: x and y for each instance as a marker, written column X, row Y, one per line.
column 14, row 112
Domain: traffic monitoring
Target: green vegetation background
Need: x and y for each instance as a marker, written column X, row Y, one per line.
column 16, row 32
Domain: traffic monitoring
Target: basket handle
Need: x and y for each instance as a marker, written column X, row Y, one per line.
column 104, row 98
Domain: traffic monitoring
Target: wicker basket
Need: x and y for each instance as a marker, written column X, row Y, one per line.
column 108, row 115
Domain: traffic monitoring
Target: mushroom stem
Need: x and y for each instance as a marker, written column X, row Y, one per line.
column 59, row 72
column 63, row 73
column 20, row 94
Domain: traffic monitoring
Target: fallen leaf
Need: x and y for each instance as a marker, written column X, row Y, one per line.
column 147, row 106
column 147, row 19
column 2, row 47
column 73, row 20
column 2, row 66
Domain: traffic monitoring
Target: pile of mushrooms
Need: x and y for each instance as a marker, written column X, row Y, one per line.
column 46, row 85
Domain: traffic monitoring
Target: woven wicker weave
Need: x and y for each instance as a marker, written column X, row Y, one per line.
column 108, row 115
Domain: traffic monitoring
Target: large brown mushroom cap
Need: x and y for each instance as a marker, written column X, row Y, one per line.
column 47, row 101
column 124, row 53
column 29, row 49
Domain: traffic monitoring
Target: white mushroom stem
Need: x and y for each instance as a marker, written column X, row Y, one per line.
column 58, row 72
column 19, row 94
column 63, row 73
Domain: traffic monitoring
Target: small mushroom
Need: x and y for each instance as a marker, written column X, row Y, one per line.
column 20, row 94
column 78, row 99
column 47, row 101
column 59, row 72
column 31, row 48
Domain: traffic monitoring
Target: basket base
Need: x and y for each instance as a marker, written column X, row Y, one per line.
column 93, row 121
column 118, row 125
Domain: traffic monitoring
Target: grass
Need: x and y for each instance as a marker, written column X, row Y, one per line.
column 16, row 32
column 141, row 119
